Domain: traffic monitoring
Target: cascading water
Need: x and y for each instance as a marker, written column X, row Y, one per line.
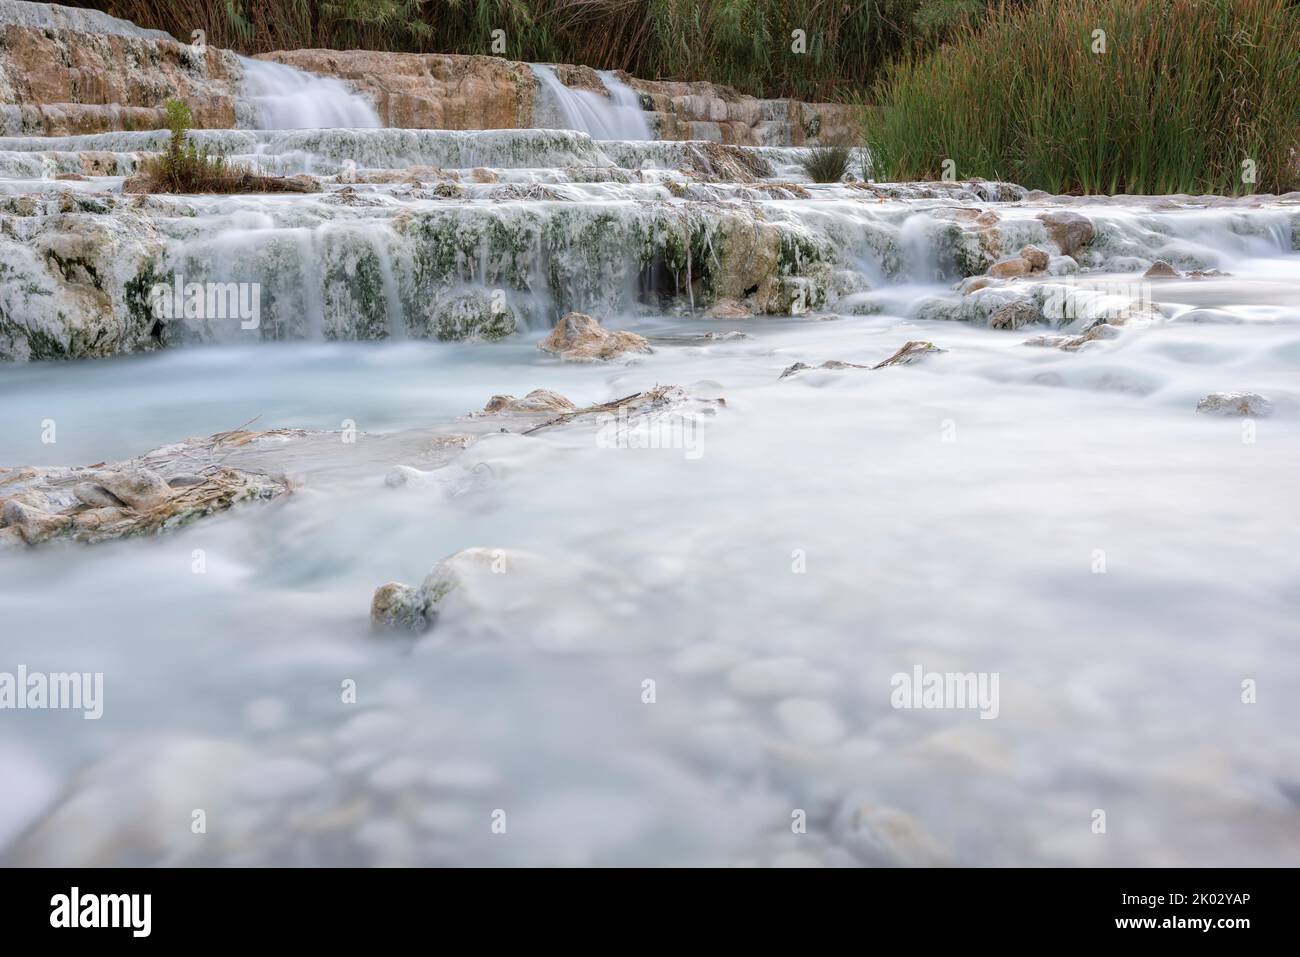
column 286, row 98
column 842, row 524
column 617, row 116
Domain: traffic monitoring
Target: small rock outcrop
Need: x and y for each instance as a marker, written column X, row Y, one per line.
column 1102, row 330
column 1030, row 259
column 1161, row 270
column 65, row 71
column 1036, row 257
column 1070, row 231
column 161, row 490
column 910, row 352
column 453, row 583
column 539, row 400
column 1235, row 403
column 832, row 364
column 1014, row 315
column 579, row 337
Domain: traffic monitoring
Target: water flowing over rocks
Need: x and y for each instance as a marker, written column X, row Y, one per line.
column 482, row 236
column 560, row 540
column 81, row 71
column 454, row 92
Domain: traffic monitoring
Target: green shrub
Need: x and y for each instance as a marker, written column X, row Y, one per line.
column 828, row 163
column 184, row 167
column 1182, row 95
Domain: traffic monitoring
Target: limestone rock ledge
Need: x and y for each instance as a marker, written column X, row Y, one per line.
column 159, row 491
column 67, row 71
column 456, row 92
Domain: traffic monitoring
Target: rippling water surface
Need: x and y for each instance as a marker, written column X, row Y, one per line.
column 1066, row 521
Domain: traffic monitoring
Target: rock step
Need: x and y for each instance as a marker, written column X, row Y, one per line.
column 71, row 71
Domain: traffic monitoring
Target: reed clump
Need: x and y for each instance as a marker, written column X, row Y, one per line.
column 1102, row 96
column 811, row 49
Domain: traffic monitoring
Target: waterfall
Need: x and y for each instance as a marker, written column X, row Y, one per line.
column 617, row 116
column 286, row 98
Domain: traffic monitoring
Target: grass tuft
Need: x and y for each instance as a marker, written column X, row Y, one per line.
column 184, row 167
column 829, row 163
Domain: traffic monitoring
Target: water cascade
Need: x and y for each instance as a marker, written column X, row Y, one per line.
column 617, row 116
column 1042, row 496
column 285, row 98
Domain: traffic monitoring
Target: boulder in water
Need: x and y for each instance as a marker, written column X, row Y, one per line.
column 539, row 400
column 729, row 309
column 1010, row 268
column 578, row 336
column 88, row 493
column 1235, row 403
column 1070, row 231
column 398, row 607
column 1161, row 270
column 1036, row 257
column 1030, row 259
column 911, row 352
column 141, row 489
column 1013, row 315
column 33, row 525
column 455, row 582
